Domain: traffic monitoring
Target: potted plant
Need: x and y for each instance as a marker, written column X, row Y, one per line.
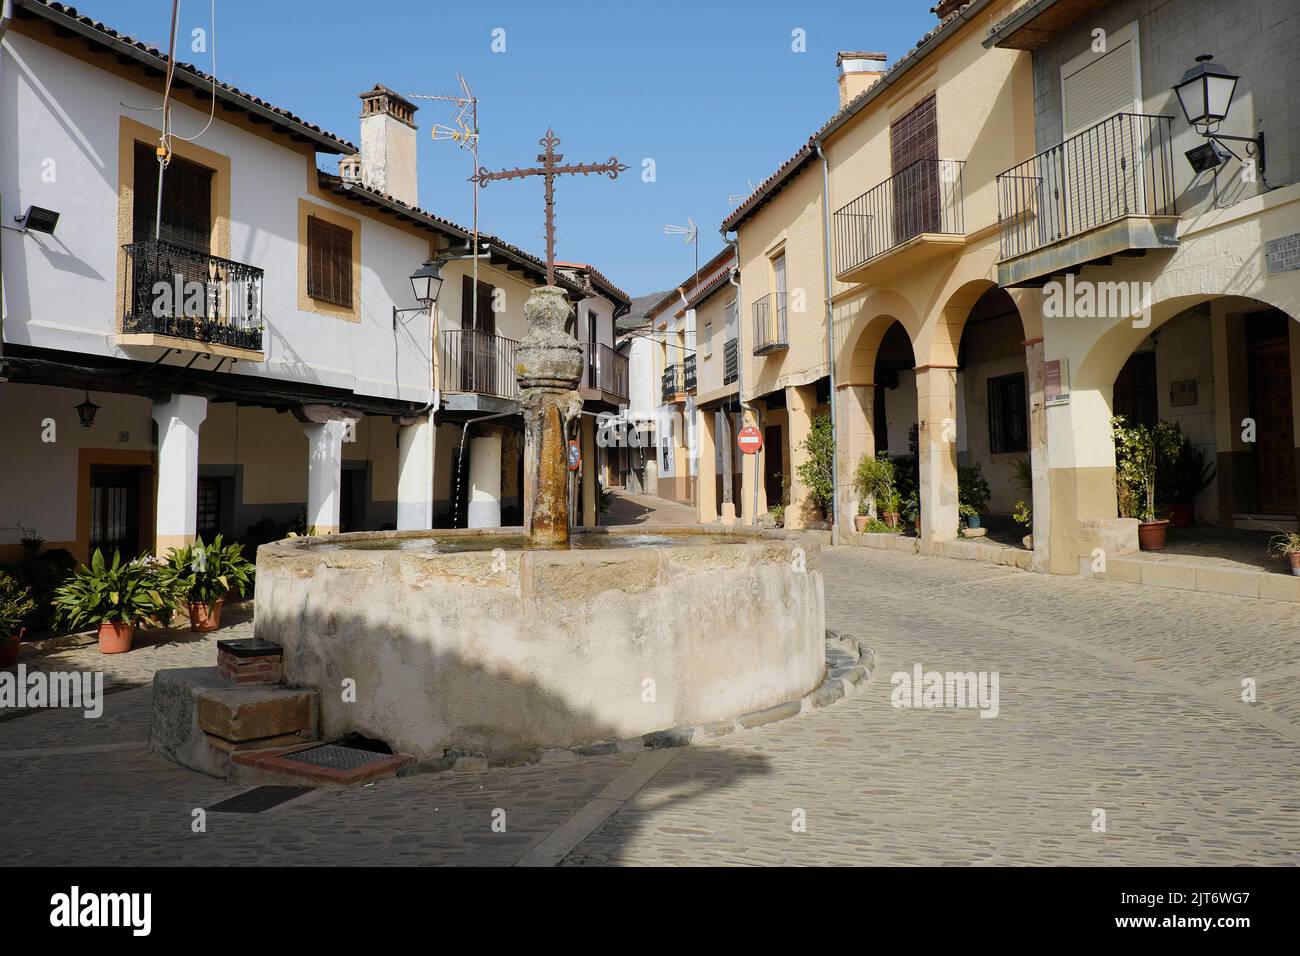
column 114, row 596
column 1184, row 476
column 15, row 604
column 873, row 482
column 202, row 575
column 973, row 494
column 910, row 511
column 1024, row 516
column 816, row 472
column 892, row 508
column 1138, row 453
column 1287, row 545
column 861, row 519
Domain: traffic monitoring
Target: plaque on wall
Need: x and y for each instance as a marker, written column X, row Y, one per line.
column 1182, row 394
column 1056, row 382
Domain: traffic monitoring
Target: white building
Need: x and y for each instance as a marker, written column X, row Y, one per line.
column 240, row 338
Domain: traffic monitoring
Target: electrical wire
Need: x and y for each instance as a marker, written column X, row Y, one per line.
column 213, row 113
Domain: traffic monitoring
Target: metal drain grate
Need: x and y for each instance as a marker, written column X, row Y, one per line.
column 258, row 799
column 336, row 757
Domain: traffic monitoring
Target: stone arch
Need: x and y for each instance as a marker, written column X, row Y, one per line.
column 860, row 342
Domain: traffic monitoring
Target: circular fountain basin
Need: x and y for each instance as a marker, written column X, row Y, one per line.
column 467, row 640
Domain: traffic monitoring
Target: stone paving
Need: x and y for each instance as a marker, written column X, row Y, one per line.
column 1112, row 697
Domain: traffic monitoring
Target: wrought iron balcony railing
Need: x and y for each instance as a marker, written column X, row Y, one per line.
column 478, row 362
column 172, row 290
column 920, row 199
column 730, row 362
column 769, row 324
column 1121, row 167
column 606, row 369
column 688, row 373
column 674, row 382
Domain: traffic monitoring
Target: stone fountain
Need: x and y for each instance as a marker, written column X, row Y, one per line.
column 512, row 639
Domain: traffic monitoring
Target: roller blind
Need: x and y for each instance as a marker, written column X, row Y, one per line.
column 1100, row 88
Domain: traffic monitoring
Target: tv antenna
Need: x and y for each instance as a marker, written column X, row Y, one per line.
column 690, row 233
column 735, row 198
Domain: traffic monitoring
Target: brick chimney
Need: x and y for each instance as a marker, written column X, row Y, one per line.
column 387, row 145
column 858, row 73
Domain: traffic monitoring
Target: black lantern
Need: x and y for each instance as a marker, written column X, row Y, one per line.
column 426, row 282
column 86, row 412
column 1205, row 92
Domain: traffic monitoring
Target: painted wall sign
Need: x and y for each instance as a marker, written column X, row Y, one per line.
column 1056, row 382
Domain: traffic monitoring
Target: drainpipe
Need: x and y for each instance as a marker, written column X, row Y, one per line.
column 830, row 340
column 6, row 18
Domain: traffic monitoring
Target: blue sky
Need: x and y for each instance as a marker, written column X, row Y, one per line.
column 654, row 79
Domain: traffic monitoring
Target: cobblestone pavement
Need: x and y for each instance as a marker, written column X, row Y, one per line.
column 1112, row 697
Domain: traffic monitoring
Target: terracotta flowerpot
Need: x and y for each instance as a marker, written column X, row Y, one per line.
column 1294, row 558
column 203, row 619
column 891, row 518
column 115, row 637
column 1151, row 534
column 1180, row 514
column 860, row 523
column 9, row 646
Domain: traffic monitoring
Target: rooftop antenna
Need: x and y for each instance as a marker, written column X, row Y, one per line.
column 463, row 131
column 736, row 198
column 690, row 233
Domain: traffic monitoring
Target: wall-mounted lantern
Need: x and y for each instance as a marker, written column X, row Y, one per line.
column 1205, row 93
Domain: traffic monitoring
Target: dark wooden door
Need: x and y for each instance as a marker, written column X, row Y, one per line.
column 773, row 466
column 115, row 511
column 914, row 165
column 1275, row 459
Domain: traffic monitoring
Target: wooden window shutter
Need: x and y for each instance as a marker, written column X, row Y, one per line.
column 329, row 262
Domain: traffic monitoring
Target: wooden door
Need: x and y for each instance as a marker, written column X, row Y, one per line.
column 1275, row 460
column 773, row 466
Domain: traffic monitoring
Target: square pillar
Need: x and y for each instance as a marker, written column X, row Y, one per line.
column 179, row 420
column 415, row 448
column 484, row 508
column 324, row 476
column 800, row 400
column 707, row 483
column 1041, row 504
column 855, row 423
column 936, row 406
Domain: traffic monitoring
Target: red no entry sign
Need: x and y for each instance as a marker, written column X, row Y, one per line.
column 750, row 440
column 575, row 456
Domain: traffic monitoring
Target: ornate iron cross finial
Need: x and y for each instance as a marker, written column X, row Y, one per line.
column 550, row 168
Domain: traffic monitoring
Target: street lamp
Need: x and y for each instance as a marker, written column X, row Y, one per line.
column 426, row 281
column 86, row 412
column 1205, row 94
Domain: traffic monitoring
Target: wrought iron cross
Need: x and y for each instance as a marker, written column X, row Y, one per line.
column 550, row 168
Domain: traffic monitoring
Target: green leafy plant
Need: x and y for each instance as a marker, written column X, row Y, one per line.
column 205, row 573
column 1139, row 452
column 873, row 483
column 41, row 572
column 815, row 473
column 778, row 514
column 15, row 604
column 876, row 526
column 1185, row 472
column 972, row 489
column 101, row 592
column 1022, row 475
column 605, row 501
column 1024, row 515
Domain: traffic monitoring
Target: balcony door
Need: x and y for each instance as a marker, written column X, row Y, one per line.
column 914, row 168
column 478, row 354
column 1098, row 173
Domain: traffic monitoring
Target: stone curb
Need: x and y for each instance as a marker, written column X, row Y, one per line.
column 849, row 664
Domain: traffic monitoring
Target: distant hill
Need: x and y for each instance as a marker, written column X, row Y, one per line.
column 640, row 305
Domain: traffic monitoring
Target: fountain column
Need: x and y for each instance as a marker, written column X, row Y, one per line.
column 548, row 365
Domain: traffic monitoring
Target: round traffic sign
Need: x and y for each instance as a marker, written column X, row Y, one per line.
column 750, row 440
column 575, row 456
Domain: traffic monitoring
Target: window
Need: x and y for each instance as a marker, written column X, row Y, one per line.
column 1008, row 424
column 209, row 507
column 708, row 340
column 329, row 262
column 186, row 201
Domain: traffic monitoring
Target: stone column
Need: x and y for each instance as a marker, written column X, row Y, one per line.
column 936, row 401
column 857, row 439
column 590, row 472
column 799, row 402
column 752, row 470
column 179, row 419
column 548, row 364
column 707, row 482
column 484, row 508
column 415, row 447
column 325, row 428
column 1042, row 506
column 727, row 440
